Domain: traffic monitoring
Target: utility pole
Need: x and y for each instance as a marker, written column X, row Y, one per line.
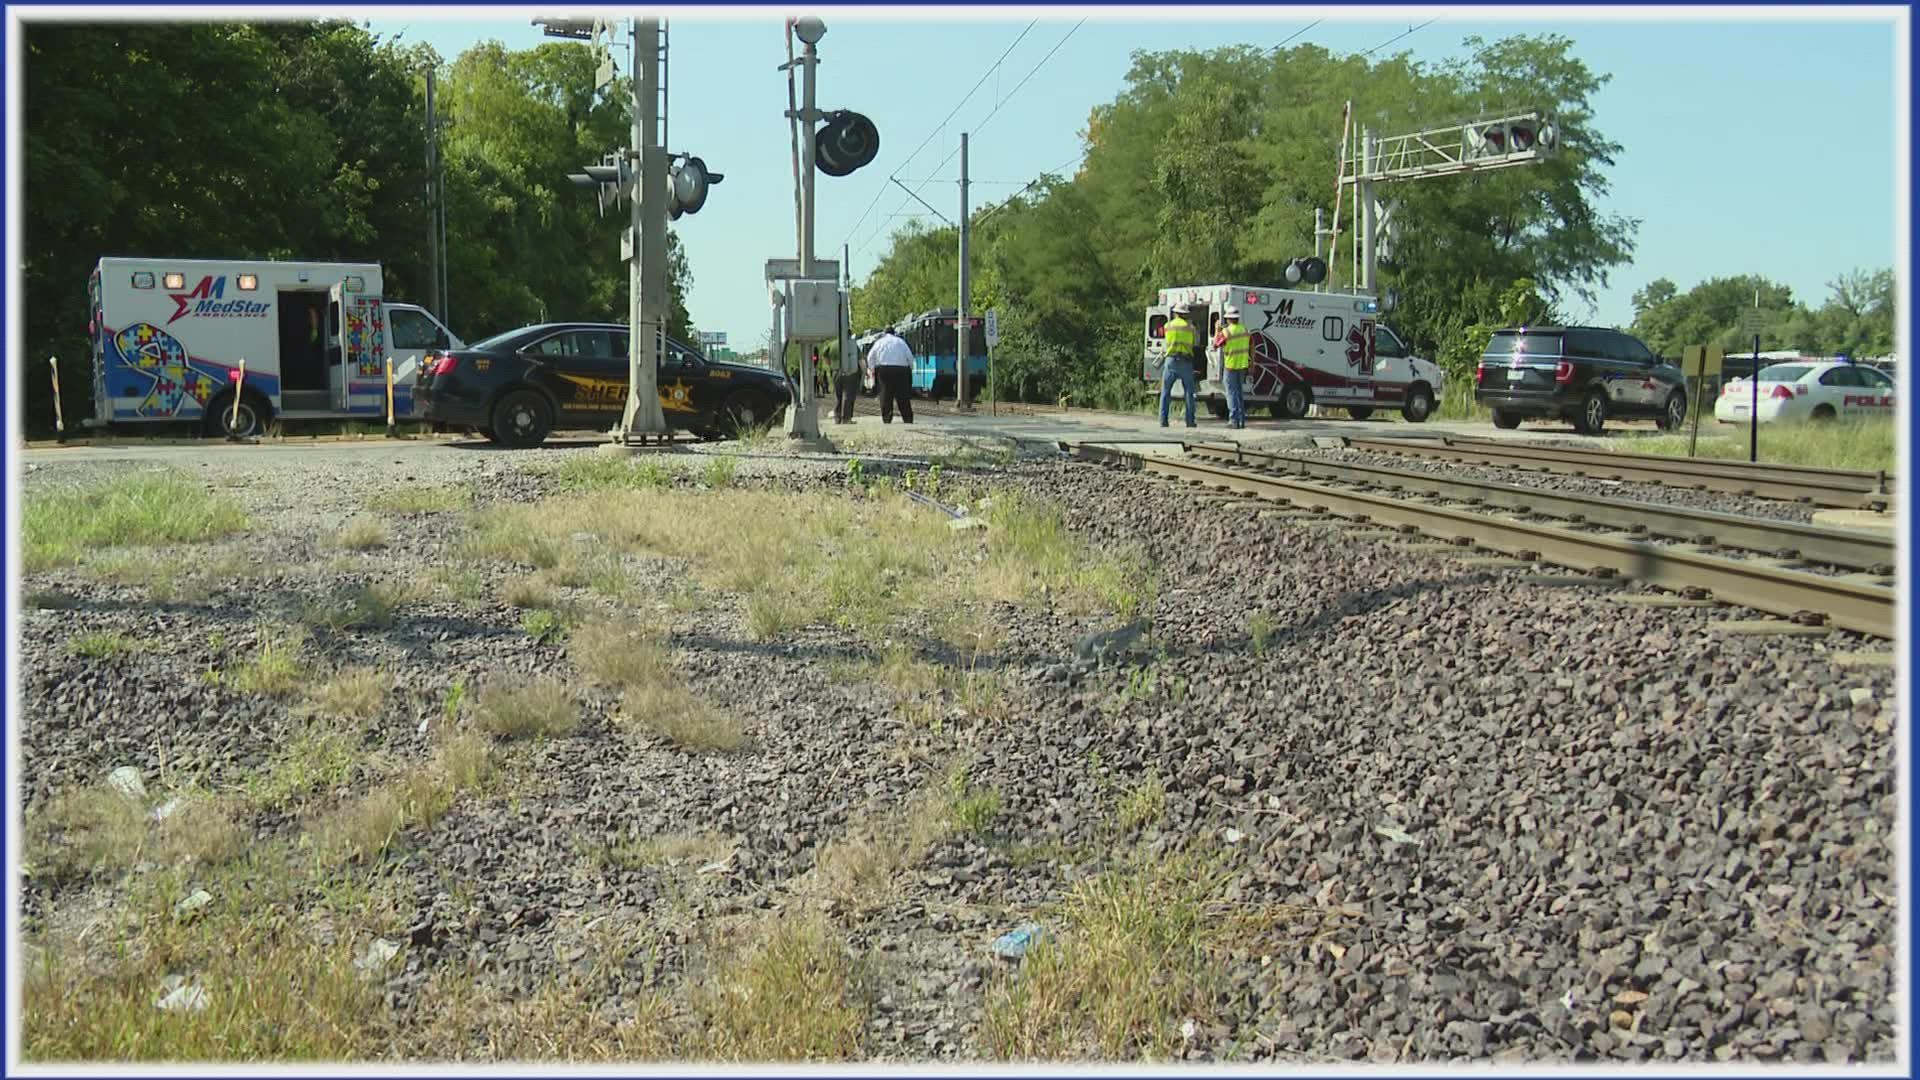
column 647, row 267
column 961, row 397
column 433, row 207
column 1369, row 215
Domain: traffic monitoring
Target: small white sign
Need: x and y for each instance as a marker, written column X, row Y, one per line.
column 1752, row 321
column 993, row 328
column 713, row 337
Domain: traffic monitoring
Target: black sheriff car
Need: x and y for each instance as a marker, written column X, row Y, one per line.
column 1586, row 374
column 517, row 387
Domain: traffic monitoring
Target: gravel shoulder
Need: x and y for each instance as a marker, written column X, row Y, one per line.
column 1347, row 801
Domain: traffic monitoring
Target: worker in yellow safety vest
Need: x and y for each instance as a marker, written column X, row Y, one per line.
column 1182, row 339
column 1236, row 355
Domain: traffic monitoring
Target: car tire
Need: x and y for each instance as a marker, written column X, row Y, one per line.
column 1217, row 408
column 1592, row 417
column 1504, row 420
column 1824, row 413
column 1418, row 408
column 742, row 412
column 521, row 420
column 1295, row 400
column 252, row 420
column 1359, row 412
column 1673, row 415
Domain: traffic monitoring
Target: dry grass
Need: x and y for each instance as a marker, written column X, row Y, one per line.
column 673, row 713
column 562, row 1021
column 95, row 829
column 859, row 564
column 318, row 758
column 1145, row 948
column 364, row 829
column 1142, row 805
column 620, row 654
column 273, row 992
column 862, row 871
column 694, row 849
column 276, row 668
column 360, row 607
column 161, row 573
column 361, row 533
column 540, row 707
column 527, row 592
column 793, row 995
column 355, row 694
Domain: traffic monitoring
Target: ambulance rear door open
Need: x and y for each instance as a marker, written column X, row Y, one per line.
column 1156, row 344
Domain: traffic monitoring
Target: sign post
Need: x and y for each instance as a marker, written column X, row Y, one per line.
column 1751, row 322
column 993, row 338
column 1699, row 363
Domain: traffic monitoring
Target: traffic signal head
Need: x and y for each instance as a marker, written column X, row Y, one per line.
column 844, row 143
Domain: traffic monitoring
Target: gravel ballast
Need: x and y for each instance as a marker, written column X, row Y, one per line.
column 1496, row 820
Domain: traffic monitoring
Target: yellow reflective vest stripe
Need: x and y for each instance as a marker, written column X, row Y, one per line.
column 1181, row 337
column 1236, row 351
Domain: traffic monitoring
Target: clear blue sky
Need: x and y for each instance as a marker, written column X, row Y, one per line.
column 1763, row 145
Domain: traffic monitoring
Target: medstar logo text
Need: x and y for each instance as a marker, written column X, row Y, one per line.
column 208, row 299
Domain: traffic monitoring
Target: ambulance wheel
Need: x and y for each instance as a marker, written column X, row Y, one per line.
column 251, row 420
column 1419, row 404
column 1294, row 401
column 521, row 420
column 1360, row 412
column 1217, row 408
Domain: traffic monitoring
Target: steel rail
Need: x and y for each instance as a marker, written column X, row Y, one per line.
column 1845, row 603
column 1831, row 487
column 1781, row 539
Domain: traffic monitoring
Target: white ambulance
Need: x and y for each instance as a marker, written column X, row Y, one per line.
column 168, row 336
column 1309, row 348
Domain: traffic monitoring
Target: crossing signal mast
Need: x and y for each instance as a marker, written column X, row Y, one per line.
column 658, row 186
column 1501, row 142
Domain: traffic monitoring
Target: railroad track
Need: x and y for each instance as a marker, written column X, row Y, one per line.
column 1862, row 602
column 1782, row 540
column 1844, row 488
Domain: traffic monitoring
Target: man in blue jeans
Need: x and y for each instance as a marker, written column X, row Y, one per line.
column 1181, row 338
column 1236, row 353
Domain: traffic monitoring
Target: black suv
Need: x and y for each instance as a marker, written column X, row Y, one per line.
column 1581, row 373
column 516, row 387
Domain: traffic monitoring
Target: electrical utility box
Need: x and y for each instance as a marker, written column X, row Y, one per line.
column 813, row 310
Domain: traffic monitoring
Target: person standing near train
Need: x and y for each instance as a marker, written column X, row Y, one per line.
column 891, row 359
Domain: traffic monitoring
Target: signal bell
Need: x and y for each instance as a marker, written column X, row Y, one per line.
column 844, row 143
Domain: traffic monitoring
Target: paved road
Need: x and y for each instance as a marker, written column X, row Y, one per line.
column 1025, row 428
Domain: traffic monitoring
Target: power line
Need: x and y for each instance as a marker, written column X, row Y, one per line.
column 983, row 123
column 1297, row 33
column 995, row 66
column 1397, row 37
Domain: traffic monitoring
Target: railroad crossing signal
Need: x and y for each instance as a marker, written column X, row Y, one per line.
column 687, row 183
column 613, row 179
column 845, row 142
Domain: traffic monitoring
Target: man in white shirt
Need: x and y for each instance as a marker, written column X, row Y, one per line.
column 892, row 362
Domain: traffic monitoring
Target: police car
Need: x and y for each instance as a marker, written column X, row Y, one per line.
column 1809, row 389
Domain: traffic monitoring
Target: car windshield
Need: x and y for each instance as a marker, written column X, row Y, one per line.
column 1784, row 372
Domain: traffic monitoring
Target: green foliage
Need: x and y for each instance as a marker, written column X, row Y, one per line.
column 1207, row 167
column 1857, row 319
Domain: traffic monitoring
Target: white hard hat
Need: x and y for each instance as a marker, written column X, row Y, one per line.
column 1231, row 312
column 1181, row 307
